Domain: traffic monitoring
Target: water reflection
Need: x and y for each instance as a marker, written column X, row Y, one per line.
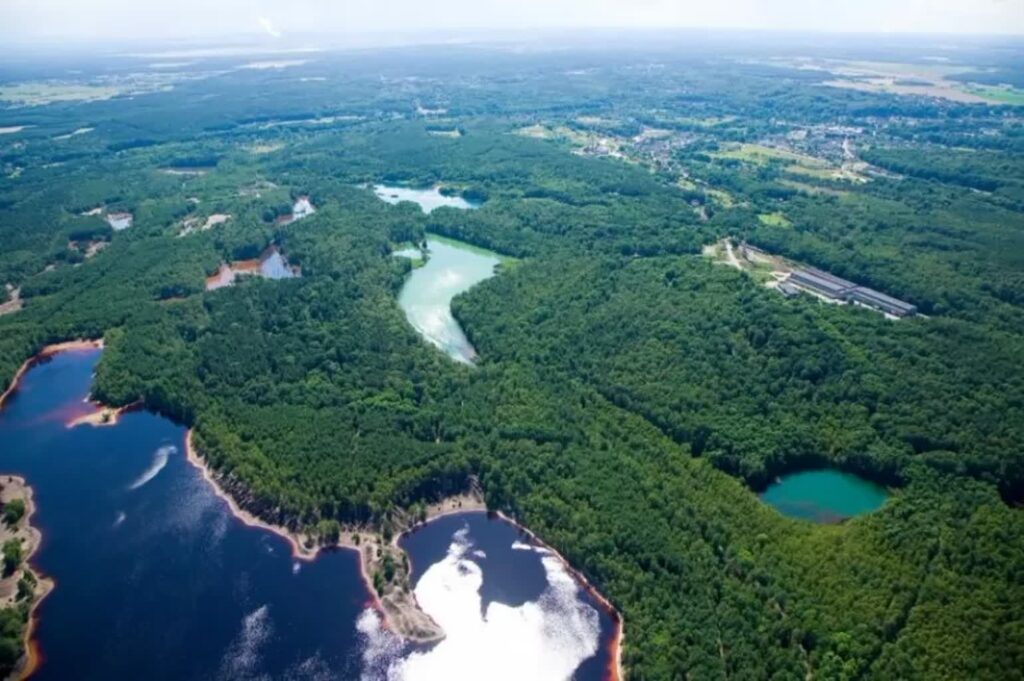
column 426, row 297
column 155, row 578
column 427, row 199
column 509, row 609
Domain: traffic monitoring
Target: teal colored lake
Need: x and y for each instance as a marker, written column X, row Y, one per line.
column 427, row 199
column 452, row 267
column 824, row 496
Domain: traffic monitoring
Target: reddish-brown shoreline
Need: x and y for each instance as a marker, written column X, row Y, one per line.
column 391, row 607
column 615, row 672
column 439, row 511
column 33, row 655
column 47, row 351
column 471, row 502
column 44, row 585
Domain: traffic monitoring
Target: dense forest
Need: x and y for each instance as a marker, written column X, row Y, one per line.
column 631, row 397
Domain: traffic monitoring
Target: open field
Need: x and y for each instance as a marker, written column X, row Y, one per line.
column 908, row 79
column 812, row 189
column 1001, row 94
column 954, row 92
column 796, row 162
column 38, row 94
column 760, row 154
column 776, row 219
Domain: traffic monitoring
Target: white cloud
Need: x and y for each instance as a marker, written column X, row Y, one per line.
column 268, row 26
column 24, row 20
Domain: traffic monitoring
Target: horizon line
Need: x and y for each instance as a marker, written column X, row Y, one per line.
column 484, row 34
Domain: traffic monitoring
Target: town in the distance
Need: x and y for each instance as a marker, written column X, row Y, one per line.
column 640, row 354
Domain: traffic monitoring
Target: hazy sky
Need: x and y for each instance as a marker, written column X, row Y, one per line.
column 25, row 20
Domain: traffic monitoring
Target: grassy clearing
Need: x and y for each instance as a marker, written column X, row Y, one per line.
column 816, row 173
column 828, row 174
column 812, row 189
column 537, row 131
column 1003, row 95
column 762, row 155
column 597, row 121
column 797, row 163
column 266, row 148
column 776, row 219
column 721, row 197
column 943, row 89
column 577, row 137
column 895, row 69
column 708, row 122
column 36, row 94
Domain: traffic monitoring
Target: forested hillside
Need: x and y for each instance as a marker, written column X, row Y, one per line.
column 631, row 397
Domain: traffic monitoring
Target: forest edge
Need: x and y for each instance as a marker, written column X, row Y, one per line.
column 15, row 487
column 397, row 604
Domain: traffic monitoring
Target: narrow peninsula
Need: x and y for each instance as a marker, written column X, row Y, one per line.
column 21, row 587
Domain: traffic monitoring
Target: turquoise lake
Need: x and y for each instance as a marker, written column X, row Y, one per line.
column 824, row 496
column 452, row 267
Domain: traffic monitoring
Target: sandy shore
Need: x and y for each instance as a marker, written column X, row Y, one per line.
column 299, row 548
column 15, row 487
column 401, row 612
column 15, row 302
column 47, row 351
column 615, row 672
column 102, row 415
column 397, row 604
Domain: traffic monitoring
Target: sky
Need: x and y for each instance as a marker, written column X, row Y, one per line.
column 103, row 20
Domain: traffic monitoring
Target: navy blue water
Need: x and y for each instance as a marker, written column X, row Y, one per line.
column 155, row 579
column 160, row 581
column 509, row 576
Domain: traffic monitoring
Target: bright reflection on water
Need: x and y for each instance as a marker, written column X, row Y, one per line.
column 411, row 253
column 303, row 208
column 427, row 199
column 155, row 579
column 274, row 266
column 509, row 609
column 426, row 297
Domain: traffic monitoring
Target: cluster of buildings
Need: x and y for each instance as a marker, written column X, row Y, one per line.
column 602, row 147
column 842, row 290
column 830, row 142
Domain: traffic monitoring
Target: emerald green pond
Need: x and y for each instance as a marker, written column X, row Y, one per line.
column 824, row 496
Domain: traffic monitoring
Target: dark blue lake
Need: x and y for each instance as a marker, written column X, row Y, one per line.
column 509, row 608
column 155, row 579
